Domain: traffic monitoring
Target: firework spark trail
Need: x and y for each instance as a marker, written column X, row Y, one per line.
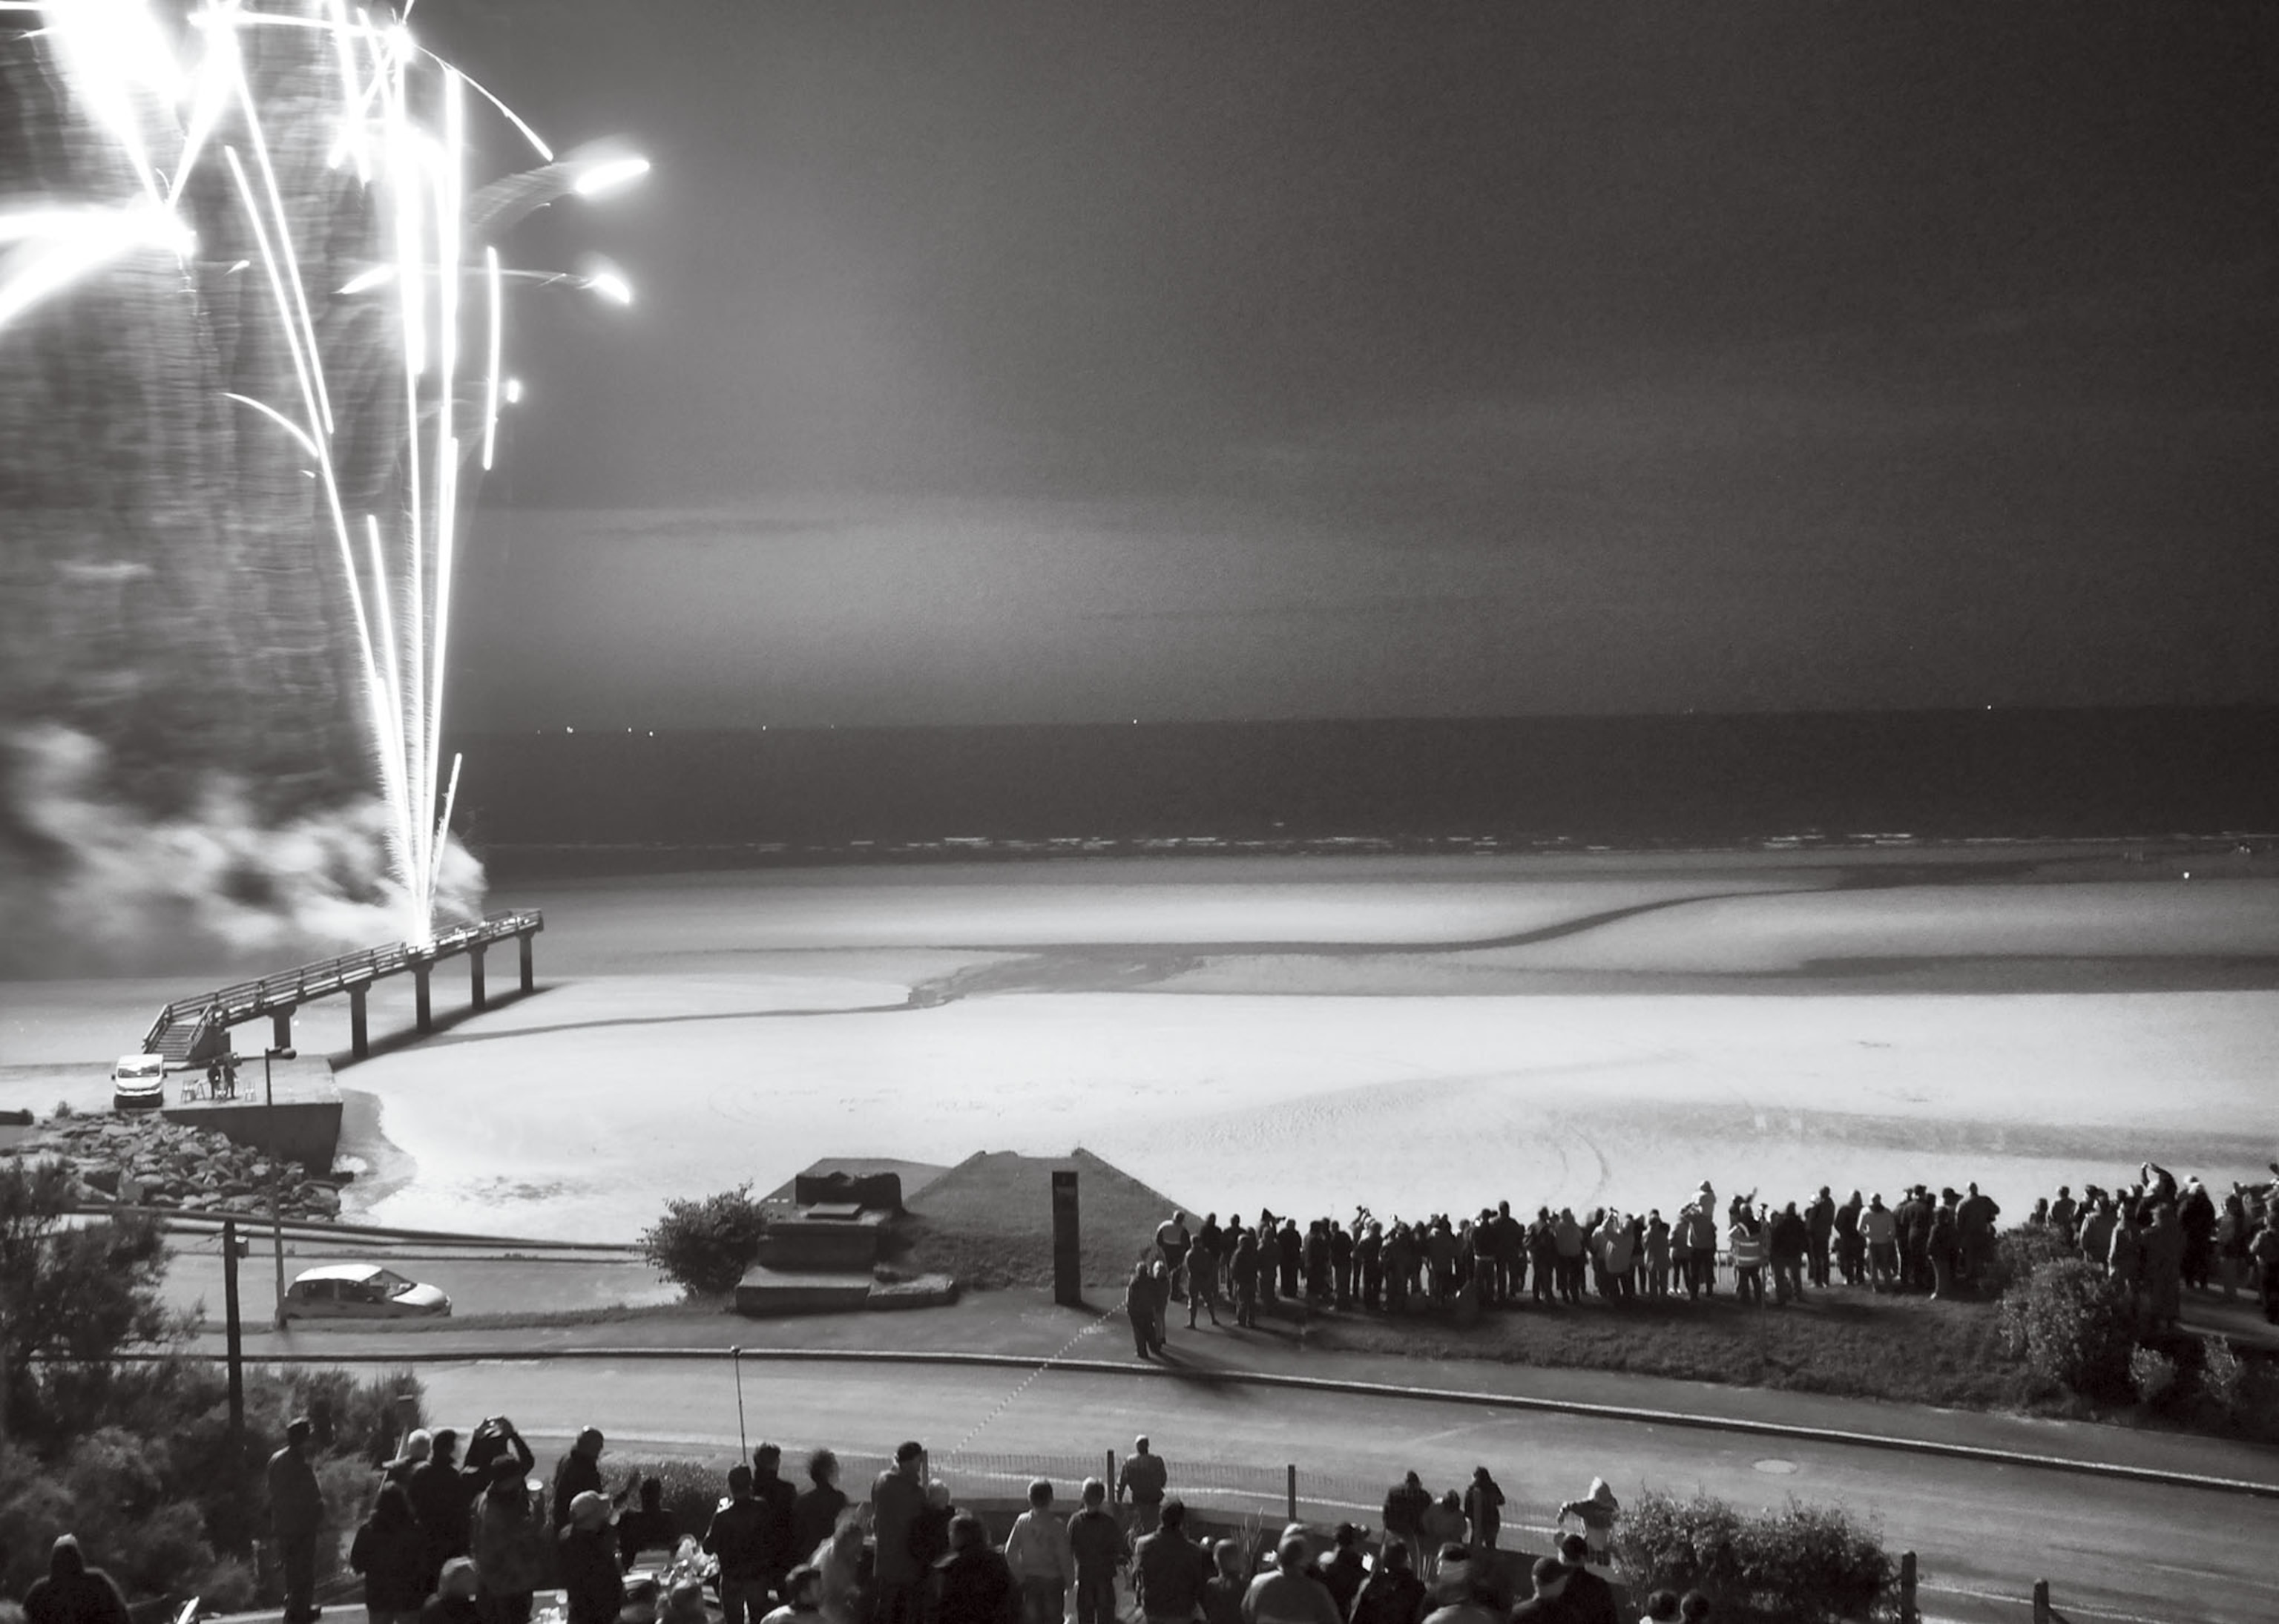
column 397, row 121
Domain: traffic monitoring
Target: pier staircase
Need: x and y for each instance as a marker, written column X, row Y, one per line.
column 187, row 1034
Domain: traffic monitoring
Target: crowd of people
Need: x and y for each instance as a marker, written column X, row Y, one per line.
column 449, row 1540
column 2157, row 1236
column 472, row 1541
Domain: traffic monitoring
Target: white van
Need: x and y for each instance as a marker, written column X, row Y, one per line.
column 138, row 1083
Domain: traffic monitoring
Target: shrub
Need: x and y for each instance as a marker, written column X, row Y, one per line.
column 136, row 1458
column 363, row 1416
column 2018, row 1253
column 107, row 1488
column 2153, row 1374
column 2223, row 1375
column 228, row 1587
column 1800, row 1565
column 161, row 1501
column 77, row 1295
column 705, row 1246
column 692, row 1489
column 2074, row 1326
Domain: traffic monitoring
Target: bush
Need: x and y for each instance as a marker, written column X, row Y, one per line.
column 1800, row 1565
column 363, row 1416
column 107, row 1488
column 77, row 1296
column 157, row 1495
column 136, row 1458
column 2074, row 1326
column 2018, row 1253
column 228, row 1587
column 2223, row 1375
column 2153, row 1374
column 692, row 1488
column 704, row 1248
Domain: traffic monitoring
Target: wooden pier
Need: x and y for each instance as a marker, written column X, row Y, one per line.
column 192, row 1030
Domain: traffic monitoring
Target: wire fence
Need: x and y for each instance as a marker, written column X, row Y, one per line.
column 1231, row 1494
column 1236, row 1495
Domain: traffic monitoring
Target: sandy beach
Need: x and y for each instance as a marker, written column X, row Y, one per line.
column 1310, row 1033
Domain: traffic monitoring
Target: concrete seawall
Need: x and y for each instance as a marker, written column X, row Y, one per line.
column 303, row 1124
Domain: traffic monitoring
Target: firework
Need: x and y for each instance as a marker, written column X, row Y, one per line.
column 283, row 145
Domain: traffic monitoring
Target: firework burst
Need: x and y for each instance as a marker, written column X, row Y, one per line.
column 303, row 141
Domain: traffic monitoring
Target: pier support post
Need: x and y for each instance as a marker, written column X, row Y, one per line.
column 475, row 976
column 424, row 1009
column 529, row 980
column 280, row 1029
column 359, row 1028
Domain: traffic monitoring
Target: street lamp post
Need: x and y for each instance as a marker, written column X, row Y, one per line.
column 234, row 1344
column 276, row 1176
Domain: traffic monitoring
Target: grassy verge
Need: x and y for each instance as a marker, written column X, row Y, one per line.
column 1908, row 1349
column 1905, row 1350
column 615, row 1313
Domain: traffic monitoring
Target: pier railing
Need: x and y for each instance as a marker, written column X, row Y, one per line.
column 350, row 972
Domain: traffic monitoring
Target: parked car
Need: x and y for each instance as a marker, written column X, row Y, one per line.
column 138, row 1083
column 361, row 1291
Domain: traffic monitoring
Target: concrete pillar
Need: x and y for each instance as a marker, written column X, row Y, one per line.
column 420, row 1004
column 359, row 1029
column 529, row 980
column 475, row 976
column 1068, row 1250
column 280, row 1029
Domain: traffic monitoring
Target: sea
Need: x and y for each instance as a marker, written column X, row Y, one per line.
column 648, row 799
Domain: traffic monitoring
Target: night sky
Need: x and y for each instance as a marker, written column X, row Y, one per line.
column 1002, row 363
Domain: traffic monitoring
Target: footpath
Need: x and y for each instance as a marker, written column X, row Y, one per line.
column 1025, row 1328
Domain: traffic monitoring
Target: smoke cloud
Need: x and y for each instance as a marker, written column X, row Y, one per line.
column 92, row 884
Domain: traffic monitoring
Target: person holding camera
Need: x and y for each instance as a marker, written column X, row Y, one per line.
column 495, row 1437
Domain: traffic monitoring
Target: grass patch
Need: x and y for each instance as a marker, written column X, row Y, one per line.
column 1905, row 1350
column 615, row 1313
column 1908, row 1349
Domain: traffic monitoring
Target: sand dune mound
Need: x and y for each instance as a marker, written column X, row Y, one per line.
column 989, row 1219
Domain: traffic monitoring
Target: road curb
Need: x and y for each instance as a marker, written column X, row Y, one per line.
column 1631, row 1415
column 204, row 1220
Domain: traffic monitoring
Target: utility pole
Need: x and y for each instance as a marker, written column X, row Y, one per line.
column 276, row 1171
column 236, row 1339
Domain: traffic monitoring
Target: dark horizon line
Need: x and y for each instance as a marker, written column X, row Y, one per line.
column 2269, row 708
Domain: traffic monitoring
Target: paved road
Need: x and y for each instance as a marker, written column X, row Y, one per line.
column 2114, row 1552
column 478, row 1281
